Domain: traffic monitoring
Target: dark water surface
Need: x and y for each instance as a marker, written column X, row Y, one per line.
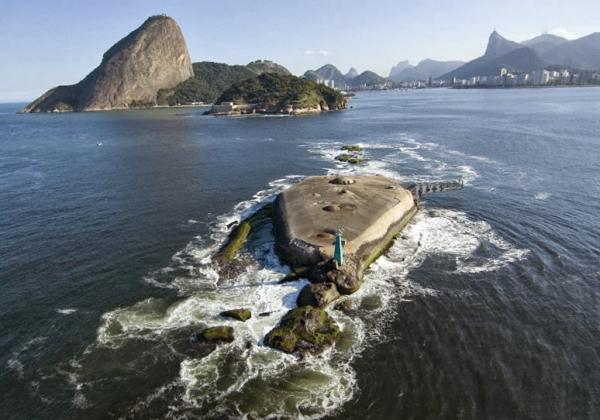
column 488, row 306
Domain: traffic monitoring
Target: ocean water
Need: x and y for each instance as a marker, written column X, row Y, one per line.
column 487, row 306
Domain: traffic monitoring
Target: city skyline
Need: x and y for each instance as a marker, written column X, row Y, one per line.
column 62, row 42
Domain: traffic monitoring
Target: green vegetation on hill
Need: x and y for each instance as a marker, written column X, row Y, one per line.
column 266, row 66
column 209, row 81
column 278, row 91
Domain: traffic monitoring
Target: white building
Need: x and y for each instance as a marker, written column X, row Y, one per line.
column 327, row 82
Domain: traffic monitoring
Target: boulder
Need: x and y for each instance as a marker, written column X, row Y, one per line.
column 304, row 330
column 242, row 314
column 352, row 158
column 352, row 148
column 213, row 336
column 318, row 295
column 346, row 306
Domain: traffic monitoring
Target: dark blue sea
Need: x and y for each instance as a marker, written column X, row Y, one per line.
column 486, row 307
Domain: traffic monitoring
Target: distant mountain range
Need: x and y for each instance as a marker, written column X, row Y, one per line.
column 350, row 80
column 406, row 72
column 534, row 54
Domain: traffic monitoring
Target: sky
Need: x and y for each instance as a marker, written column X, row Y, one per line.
column 44, row 43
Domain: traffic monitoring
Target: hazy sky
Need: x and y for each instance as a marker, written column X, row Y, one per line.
column 44, row 43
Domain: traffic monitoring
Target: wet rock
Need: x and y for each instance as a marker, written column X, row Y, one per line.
column 242, row 314
column 353, row 159
column 318, row 295
column 346, row 283
column 346, row 306
column 352, row 148
column 304, row 330
column 213, row 336
column 235, row 242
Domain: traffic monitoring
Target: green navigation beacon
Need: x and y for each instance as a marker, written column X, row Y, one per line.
column 338, row 254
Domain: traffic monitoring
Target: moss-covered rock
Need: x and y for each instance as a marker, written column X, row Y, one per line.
column 305, row 330
column 242, row 314
column 213, row 336
column 318, row 295
column 352, row 148
column 234, row 243
column 349, row 158
column 226, row 256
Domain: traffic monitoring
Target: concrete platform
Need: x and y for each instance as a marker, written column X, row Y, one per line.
column 368, row 210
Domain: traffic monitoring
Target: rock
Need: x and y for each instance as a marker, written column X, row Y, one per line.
column 235, row 241
column 318, row 295
column 229, row 258
column 304, row 330
column 352, row 148
column 346, row 281
column 213, row 336
column 345, row 306
column 241, row 314
column 151, row 58
column 353, row 159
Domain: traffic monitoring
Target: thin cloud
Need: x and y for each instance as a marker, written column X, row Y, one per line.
column 316, row 52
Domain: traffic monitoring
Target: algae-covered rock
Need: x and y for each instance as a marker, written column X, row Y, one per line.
column 305, row 330
column 318, row 295
column 346, row 306
column 242, row 314
column 352, row 148
column 231, row 259
column 349, row 158
column 234, row 242
column 213, row 336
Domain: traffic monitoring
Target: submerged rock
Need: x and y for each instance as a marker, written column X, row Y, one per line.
column 304, row 330
column 213, row 336
column 242, row 314
column 318, row 295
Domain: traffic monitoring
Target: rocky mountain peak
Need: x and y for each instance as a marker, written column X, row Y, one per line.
column 132, row 71
column 352, row 73
column 498, row 45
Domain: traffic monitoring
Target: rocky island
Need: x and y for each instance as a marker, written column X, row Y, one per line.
column 276, row 93
column 132, row 72
column 308, row 219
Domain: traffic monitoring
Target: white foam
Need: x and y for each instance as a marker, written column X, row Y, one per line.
column 401, row 149
column 542, row 196
column 318, row 385
column 67, row 311
column 14, row 362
